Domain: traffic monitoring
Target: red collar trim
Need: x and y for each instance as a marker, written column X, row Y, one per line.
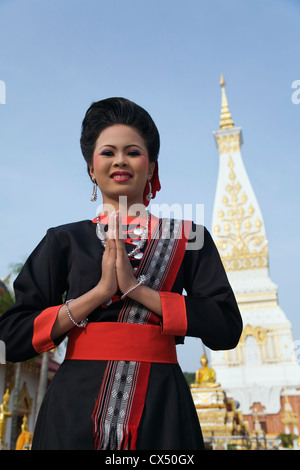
column 126, row 219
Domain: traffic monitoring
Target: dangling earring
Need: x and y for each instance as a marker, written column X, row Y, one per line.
column 94, row 193
column 149, row 195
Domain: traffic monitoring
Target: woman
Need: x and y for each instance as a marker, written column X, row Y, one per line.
column 120, row 386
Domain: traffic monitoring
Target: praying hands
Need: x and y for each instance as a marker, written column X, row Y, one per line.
column 117, row 274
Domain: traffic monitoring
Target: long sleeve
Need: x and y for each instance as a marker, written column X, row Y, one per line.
column 26, row 327
column 208, row 310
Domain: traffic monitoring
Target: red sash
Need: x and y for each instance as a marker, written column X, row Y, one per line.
column 121, row 342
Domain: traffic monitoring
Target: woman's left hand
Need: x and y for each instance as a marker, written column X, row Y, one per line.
column 124, row 270
column 126, row 279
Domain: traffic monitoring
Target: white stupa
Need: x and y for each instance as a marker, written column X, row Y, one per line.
column 263, row 364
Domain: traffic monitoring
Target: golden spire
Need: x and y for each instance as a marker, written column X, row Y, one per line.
column 226, row 121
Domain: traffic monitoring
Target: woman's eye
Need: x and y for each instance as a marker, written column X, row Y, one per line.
column 134, row 153
column 107, row 153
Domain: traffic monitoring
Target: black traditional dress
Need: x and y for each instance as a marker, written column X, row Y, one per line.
column 120, row 386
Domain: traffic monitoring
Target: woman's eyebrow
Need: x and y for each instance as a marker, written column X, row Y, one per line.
column 114, row 147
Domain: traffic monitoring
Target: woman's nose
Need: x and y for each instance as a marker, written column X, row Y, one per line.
column 120, row 160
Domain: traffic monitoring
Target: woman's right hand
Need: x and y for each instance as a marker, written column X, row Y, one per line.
column 108, row 283
column 88, row 302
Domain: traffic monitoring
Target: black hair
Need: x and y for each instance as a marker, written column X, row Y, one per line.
column 106, row 113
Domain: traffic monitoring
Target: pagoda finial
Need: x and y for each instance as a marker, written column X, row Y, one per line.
column 226, row 121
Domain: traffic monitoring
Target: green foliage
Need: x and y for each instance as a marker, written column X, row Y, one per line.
column 16, row 267
column 189, row 377
column 6, row 301
column 287, row 440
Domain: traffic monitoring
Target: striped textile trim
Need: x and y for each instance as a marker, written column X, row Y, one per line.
column 122, row 394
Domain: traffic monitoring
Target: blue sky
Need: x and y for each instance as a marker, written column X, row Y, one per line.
column 58, row 56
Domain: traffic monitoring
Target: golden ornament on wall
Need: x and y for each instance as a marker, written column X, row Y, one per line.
column 239, row 236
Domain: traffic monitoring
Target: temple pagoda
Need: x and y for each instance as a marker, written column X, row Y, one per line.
column 262, row 370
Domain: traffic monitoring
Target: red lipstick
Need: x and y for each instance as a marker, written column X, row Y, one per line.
column 120, row 176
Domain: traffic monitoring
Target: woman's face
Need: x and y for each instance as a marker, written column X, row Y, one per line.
column 121, row 164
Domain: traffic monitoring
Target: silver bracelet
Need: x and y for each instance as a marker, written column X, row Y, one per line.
column 83, row 322
column 142, row 279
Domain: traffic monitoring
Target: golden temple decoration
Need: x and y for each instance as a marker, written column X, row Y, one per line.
column 228, row 143
column 25, row 401
column 206, row 376
column 226, row 121
column 259, row 333
column 267, row 347
column 4, row 415
column 289, row 418
column 24, row 440
column 256, row 425
column 238, row 238
column 220, row 420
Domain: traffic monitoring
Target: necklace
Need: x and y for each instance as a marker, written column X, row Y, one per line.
column 137, row 231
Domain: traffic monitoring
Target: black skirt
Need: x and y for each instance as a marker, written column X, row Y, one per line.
column 169, row 420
